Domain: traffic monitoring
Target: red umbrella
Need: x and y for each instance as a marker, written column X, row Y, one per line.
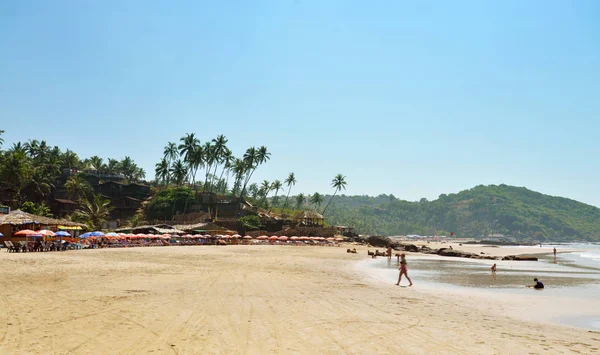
column 236, row 236
column 262, row 237
column 273, row 237
column 247, row 237
column 283, row 238
column 27, row 232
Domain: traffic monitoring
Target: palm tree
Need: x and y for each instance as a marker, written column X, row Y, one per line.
column 32, row 147
column 1, row 139
column 219, row 149
column 263, row 155
column 17, row 147
column 38, row 186
column 188, row 146
column 113, row 166
column 316, row 199
column 338, row 183
column 162, row 171
column 93, row 212
column 178, row 172
column 300, row 200
column 254, row 190
column 290, row 181
column 265, row 188
column 171, row 152
column 196, row 160
column 239, row 170
column 138, row 174
column 128, row 168
column 209, row 160
column 70, row 159
column 15, row 170
column 227, row 159
column 276, row 186
column 77, row 187
column 250, row 161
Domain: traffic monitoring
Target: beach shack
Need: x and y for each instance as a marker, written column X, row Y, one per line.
column 309, row 218
column 18, row 220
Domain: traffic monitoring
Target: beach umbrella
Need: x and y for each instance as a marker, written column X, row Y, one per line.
column 112, row 234
column 247, row 237
column 262, row 237
column 45, row 233
column 26, row 232
column 339, row 239
column 62, row 234
column 273, row 237
column 236, row 236
column 283, row 238
column 1, row 235
column 330, row 239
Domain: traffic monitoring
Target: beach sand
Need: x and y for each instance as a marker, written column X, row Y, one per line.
column 246, row 300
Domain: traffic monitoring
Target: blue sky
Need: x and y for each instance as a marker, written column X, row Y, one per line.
column 410, row 98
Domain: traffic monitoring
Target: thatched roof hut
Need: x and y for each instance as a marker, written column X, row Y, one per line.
column 310, row 218
column 19, row 217
column 16, row 220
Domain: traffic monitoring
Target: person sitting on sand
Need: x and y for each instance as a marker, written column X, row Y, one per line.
column 493, row 269
column 538, row 284
column 403, row 270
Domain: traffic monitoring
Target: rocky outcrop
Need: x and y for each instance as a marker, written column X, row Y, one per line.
column 520, row 258
column 462, row 254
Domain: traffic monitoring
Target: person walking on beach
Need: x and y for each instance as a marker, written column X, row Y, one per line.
column 403, row 270
column 389, row 252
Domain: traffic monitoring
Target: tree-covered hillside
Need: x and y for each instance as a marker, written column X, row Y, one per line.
column 483, row 210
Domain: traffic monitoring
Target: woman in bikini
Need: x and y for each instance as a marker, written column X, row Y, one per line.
column 403, row 270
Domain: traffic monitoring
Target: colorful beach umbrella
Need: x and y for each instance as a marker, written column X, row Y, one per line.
column 247, row 237
column 45, row 233
column 62, row 234
column 26, row 232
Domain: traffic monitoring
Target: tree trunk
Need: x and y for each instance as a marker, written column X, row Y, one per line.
column 246, row 182
column 331, row 199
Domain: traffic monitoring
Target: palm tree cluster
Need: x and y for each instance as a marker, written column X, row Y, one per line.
column 30, row 169
column 182, row 162
column 112, row 167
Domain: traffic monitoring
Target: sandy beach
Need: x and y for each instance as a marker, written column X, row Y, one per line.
column 247, row 300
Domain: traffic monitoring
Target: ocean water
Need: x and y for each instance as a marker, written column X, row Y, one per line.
column 572, row 280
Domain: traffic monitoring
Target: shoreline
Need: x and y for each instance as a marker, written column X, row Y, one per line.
column 577, row 306
column 247, row 299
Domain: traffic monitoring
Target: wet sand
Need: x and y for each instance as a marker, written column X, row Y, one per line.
column 246, row 300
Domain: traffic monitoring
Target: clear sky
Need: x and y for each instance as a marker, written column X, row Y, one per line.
column 413, row 98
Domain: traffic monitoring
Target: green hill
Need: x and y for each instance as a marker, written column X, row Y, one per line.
column 483, row 210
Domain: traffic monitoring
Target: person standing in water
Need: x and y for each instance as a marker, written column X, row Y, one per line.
column 493, row 269
column 403, row 270
column 389, row 252
column 555, row 252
